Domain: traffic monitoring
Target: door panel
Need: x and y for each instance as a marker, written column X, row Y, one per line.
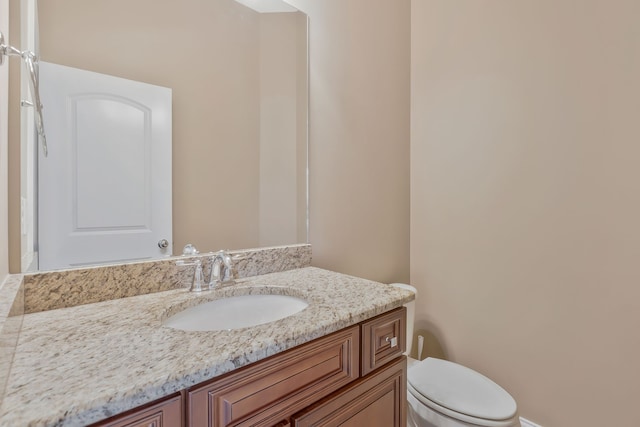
column 105, row 187
column 110, row 141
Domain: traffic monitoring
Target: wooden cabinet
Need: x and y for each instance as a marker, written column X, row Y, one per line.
column 377, row 400
column 163, row 413
column 268, row 392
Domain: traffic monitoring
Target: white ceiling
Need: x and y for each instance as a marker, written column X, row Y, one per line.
column 268, row 6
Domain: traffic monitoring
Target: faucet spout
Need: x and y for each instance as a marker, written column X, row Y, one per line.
column 221, row 269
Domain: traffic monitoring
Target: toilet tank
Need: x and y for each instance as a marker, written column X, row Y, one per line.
column 411, row 310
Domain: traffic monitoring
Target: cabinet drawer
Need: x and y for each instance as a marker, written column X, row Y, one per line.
column 166, row 413
column 383, row 339
column 377, row 400
column 269, row 391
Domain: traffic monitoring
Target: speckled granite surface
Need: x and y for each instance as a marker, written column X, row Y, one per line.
column 11, row 310
column 78, row 365
column 67, row 288
column 51, row 290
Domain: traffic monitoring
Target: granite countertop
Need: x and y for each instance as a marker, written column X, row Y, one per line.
column 74, row 366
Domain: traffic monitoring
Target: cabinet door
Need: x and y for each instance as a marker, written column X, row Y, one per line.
column 267, row 392
column 165, row 413
column 378, row 400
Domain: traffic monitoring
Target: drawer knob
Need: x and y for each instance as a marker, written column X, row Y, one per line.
column 393, row 341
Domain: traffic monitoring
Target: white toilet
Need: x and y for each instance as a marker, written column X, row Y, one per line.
column 445, row 394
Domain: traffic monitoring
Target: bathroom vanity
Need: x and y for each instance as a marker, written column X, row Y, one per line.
column 333, row 380
column 337, row 362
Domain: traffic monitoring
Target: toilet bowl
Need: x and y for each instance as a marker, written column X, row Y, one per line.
column 445, row 394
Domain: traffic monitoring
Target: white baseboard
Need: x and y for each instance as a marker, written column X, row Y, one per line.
column 526, row 423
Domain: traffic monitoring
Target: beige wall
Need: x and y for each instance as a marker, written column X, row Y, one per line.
column 279, row 123
column 302, row 120
column 4, row 137
column 525, row 199
column 13, row 130
column 359, row 133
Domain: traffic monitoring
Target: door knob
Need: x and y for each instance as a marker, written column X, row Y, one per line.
column 163, row 244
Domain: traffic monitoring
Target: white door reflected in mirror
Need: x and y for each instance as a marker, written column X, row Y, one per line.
column 105, row 191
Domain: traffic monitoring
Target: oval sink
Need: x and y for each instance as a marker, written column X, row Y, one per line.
column 236, row 312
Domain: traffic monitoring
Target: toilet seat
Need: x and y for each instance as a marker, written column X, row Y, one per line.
column 460, row 393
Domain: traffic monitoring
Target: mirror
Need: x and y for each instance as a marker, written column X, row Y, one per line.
column 239, row 99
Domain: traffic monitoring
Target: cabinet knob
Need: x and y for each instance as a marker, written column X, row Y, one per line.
column 393, row 341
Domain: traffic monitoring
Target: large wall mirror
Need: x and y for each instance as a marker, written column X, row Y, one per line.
column 238, row 78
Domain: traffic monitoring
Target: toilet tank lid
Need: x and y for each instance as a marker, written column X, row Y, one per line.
column 406, row 287
column 461, row 390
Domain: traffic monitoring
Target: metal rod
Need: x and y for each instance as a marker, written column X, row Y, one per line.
column 30, row 62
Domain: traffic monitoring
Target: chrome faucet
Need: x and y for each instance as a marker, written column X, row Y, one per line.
column 221, row 269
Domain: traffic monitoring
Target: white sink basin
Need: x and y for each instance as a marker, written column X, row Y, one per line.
column 236, row 312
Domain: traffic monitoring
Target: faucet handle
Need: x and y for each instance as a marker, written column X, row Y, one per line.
column 228, row 268
column 189, row 249
column 198, row 275
column 198, row 278
column 233, row 271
